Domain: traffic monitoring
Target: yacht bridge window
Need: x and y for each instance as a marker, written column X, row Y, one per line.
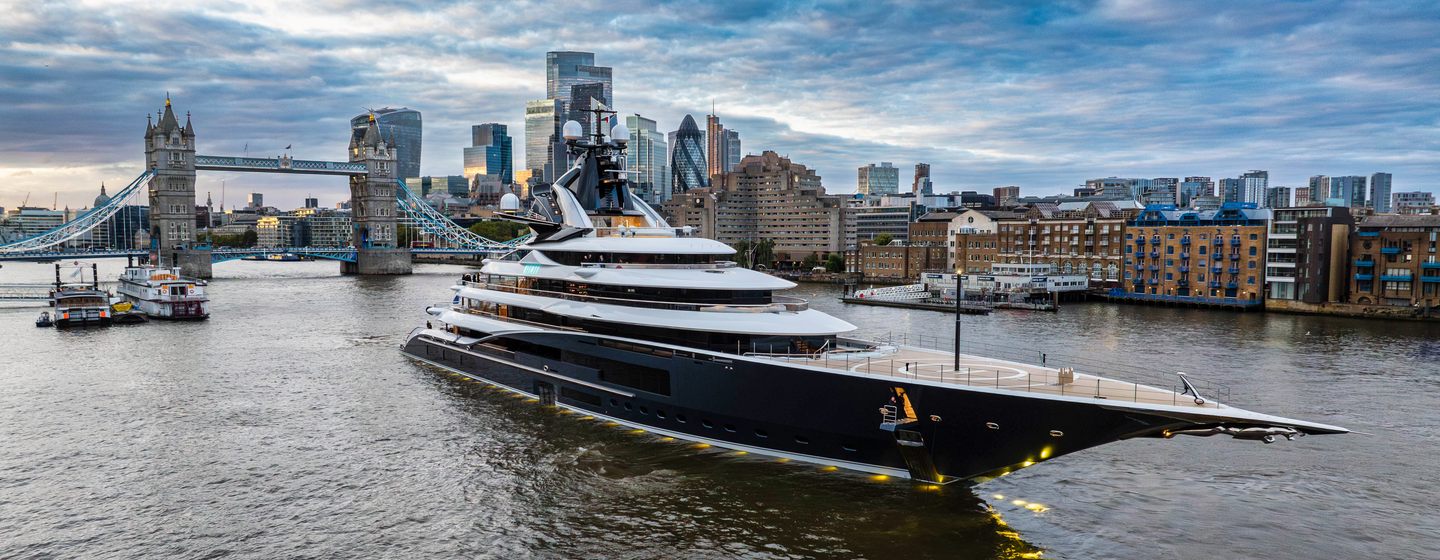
column 570, row 258
column 538, row 286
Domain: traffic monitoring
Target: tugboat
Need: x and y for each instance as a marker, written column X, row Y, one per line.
column 162, row 293
column 78, row 304
column 610, row 312
column 44, row 320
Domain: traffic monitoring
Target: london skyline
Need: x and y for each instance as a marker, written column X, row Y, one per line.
column 1042, row 97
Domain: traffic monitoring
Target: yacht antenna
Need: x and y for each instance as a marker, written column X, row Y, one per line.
column 599, row 132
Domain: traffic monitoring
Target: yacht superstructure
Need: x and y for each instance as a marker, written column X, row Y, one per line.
column 610, row 311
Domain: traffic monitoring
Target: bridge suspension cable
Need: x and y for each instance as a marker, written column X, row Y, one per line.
column 448, row 232
column 86, row 222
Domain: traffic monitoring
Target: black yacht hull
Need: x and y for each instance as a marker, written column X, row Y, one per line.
column 791, row 410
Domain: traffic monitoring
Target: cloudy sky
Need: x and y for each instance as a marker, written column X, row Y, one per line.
column 1042, row 96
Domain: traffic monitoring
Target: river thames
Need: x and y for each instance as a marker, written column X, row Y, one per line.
column 289, row 425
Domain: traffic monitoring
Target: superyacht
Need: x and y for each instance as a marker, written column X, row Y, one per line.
column 608, row 311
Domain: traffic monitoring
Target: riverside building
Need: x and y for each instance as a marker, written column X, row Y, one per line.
column 974, row 245
column 1191, row 256
column 1395, row 262
column 1306, row 254
column 925, row 250
column 1072, row 237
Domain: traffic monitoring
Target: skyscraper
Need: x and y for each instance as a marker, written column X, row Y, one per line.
column 1304, row 196
column 542, row 139
column 584, row 98
column 1350, row 189
column 879, row 179
column 1161, row 190
column 717, row 147
column 1319, row 189
column 922, row 186
column 1006, row 197
column 1256, row 181
column 646, row 155
column 1277, row 197
column 401, row 126
column 490, row 153
column 732, row 149
column 1232, row 190
column 687, row 163
column 1192, row 187
column 1380, row 192
column 566, row 69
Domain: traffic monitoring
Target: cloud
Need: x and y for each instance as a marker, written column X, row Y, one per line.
column 989, row 94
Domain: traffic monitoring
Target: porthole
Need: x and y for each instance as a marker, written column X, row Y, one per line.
column 730, row 428
column 707, row 424
column 680, row 418
column 628, row 407
column 990, row 425
column 806, row 441
column 659, row 413
column 848, row 448
column 644, row 410
column 761, row 434
column 614, row 402
column 1056, row 433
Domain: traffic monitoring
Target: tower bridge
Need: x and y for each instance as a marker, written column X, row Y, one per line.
column 378, row 200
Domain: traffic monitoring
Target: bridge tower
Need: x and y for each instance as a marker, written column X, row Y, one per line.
column 170, row 151
column 374, row 210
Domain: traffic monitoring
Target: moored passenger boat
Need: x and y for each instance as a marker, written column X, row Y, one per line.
column 609, row 311
column 162, row 293
column 78, row 303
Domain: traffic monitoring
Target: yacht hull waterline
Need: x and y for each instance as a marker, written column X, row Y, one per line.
column 608, row 310
column 813, row 415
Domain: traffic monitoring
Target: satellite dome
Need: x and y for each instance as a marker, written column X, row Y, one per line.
column 572, row 131
column 620, row 133
column 509, row 203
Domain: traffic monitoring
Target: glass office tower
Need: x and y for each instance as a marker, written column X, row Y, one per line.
column 687, row 165
column 404, row 127
column 490, row 153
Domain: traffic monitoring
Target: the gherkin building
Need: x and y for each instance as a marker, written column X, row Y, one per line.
column 687, row 161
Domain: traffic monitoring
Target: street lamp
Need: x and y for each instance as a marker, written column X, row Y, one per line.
column 958, row 292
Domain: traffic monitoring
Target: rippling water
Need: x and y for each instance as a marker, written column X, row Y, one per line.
column 289, row 425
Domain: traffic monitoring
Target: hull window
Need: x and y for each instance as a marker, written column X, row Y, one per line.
column 648, row 379
column 579, row 396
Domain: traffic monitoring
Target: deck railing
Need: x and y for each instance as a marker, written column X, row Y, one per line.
column 1060, row 374
column 1211, row 391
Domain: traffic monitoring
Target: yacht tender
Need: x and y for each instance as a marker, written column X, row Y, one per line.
column 609, row 311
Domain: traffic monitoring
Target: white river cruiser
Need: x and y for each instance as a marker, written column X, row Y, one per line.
column 611, row 312
column 162, row 293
